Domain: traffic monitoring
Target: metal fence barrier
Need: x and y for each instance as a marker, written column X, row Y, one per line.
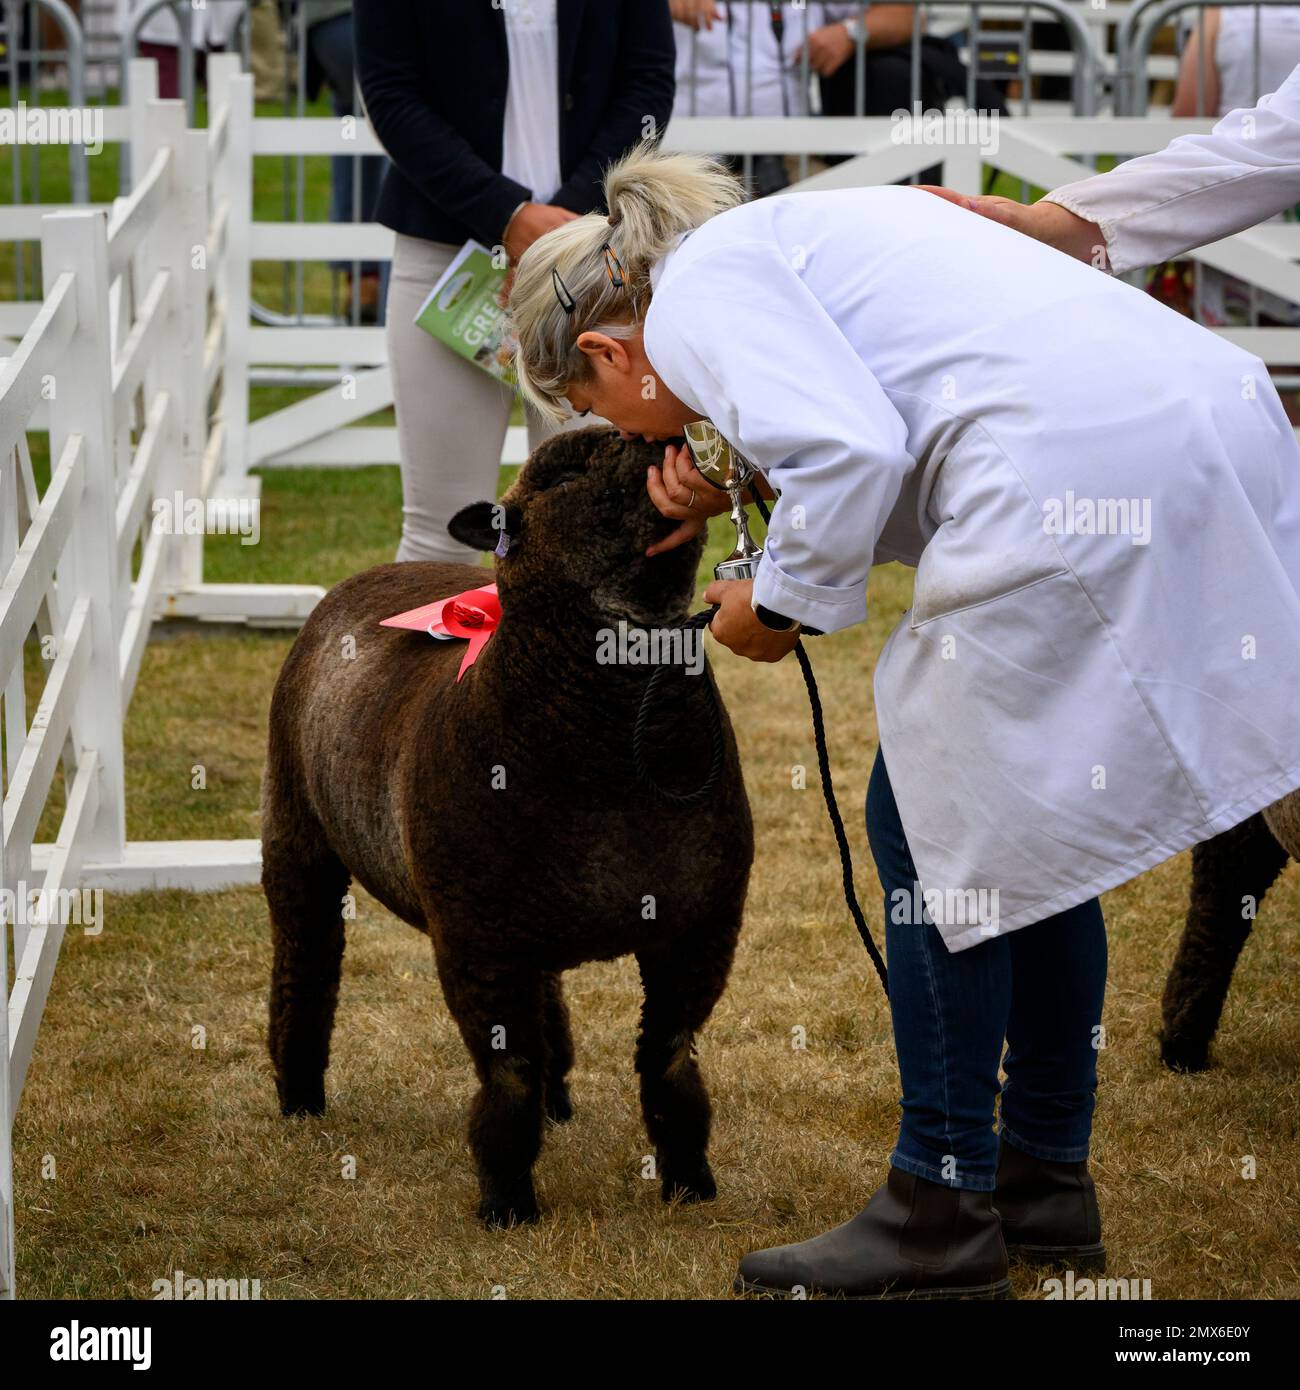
column 1138, row 31
column 989, row 54
column 19, row 17
column 1002, row 46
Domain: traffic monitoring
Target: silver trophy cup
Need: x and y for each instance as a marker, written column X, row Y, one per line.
column 719, row 464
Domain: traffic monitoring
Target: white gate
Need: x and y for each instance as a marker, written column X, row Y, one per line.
column 120, row 364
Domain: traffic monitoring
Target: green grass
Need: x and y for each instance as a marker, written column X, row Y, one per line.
column 170, row 1157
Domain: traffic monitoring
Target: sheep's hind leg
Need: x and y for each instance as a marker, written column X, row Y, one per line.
column 305, row 894
column 1239, row 864
column 500, row 1018
column 559, row 1051
column 682, row 983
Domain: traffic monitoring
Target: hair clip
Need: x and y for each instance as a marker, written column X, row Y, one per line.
column 613, row 267
column 567, row 301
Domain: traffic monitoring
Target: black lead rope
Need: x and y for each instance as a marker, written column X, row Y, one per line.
column 692, row 798
column 837, row 822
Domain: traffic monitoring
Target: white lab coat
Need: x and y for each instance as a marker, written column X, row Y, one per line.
column 1058, row 710
column 1199, row 187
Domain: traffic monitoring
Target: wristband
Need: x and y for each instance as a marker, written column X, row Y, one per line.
column 777, row 622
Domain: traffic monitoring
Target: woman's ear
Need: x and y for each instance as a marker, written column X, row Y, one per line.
column 601, row 347
column 491, row 526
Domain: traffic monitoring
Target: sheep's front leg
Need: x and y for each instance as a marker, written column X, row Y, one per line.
column 499, row 1014
column 682, row 983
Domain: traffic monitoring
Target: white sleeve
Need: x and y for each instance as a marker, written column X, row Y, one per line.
column 1199, row 187
column 739, row 334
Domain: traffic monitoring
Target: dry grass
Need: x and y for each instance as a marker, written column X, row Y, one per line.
column 172, row 1157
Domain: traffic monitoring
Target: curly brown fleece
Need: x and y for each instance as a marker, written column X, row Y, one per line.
column 502, row 814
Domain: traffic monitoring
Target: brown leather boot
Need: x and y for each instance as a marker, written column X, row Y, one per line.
column 1049, row 1211
column 914, row 1239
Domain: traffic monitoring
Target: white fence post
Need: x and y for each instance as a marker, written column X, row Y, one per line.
column 171, row 247
column 143, row 89
column 224, row 70
column 185, row 558
column 235, row 186
column 83, row 405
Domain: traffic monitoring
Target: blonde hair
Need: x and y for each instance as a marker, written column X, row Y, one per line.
column 653, row 197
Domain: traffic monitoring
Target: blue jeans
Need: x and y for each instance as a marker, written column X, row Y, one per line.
column 1039, row 988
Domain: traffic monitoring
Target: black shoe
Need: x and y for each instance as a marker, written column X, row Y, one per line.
column 1049, row 1211
column 914, row 1239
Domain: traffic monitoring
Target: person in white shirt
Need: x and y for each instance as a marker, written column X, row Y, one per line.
column 736, row 58
column 1234, row 55
column 1089, row 678
column 1229, row 61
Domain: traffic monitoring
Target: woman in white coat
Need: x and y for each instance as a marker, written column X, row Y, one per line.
column 1100, row 666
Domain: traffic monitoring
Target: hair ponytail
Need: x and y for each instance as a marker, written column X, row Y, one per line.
column 653, row 197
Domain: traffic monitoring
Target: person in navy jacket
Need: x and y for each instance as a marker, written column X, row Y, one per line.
column 499, row 119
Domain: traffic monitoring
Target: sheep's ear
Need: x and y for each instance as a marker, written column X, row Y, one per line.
column 491, row 526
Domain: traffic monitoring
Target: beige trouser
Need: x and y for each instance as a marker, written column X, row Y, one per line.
column 266, row 51
column 451, row 415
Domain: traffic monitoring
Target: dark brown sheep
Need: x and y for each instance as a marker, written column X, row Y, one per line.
column 1230, row 876
column 502, row 815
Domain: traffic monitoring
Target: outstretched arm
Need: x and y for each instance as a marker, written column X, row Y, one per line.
column 1196, row 190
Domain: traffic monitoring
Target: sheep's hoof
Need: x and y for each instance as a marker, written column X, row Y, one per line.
column 500, row 1213
column 302, row 1098
column 559, row 1108
column 1189, row 1055
column 688, row 1182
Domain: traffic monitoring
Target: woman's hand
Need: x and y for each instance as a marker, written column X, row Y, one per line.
column 532, row 221
column 1049, row 223
column 736, row 625
column 679, row 492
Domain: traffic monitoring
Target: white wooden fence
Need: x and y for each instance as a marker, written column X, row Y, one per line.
column 316, row 431
column 119, row 365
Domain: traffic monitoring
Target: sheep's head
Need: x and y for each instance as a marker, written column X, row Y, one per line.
column 579, row 520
